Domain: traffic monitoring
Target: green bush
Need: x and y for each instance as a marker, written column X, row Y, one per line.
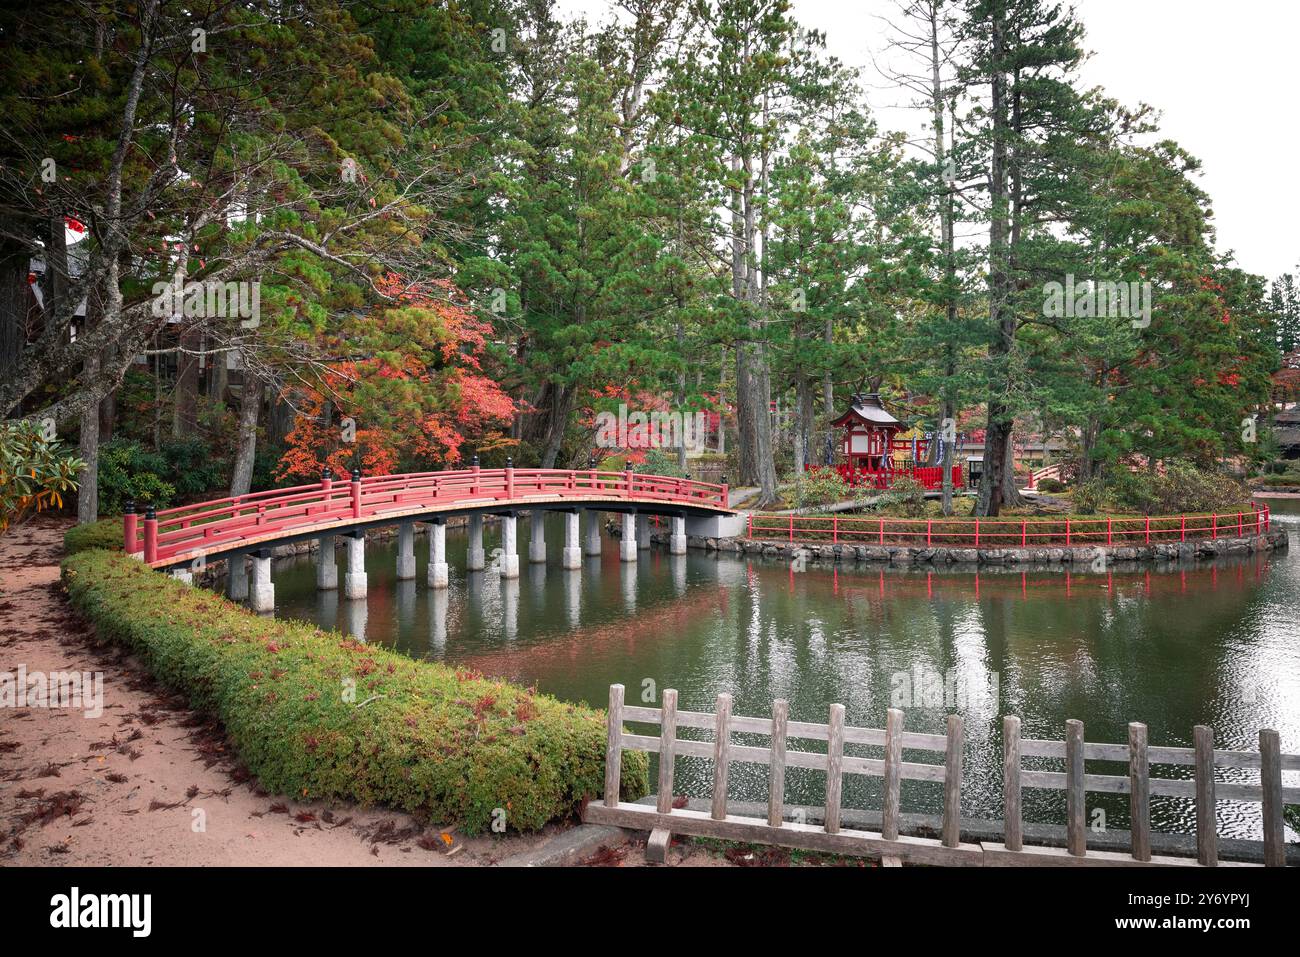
column 818, row 488
column 905, row 497
column 106, row 533
column 129, row 471
column 324, row 717
column 192, row 469
column 1089, row 497
column 1181, row 488
column 1051, row 485
column 661, row 462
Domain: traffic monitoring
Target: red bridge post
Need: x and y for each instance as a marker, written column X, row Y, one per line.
column 510, row 477
column 473, row 488
column 150, row 534
column 356, row 493
column 326, row 483
column 129, row 528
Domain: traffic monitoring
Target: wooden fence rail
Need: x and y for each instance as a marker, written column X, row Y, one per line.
column 948, row 849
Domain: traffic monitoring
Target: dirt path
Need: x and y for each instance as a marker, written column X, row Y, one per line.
column 148, row 781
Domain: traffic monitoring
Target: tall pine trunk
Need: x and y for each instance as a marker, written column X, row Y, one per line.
column 250, row 410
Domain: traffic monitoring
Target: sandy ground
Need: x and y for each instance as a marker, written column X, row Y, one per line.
column 149, row 781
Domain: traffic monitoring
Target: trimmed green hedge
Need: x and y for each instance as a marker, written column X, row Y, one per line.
column 106, row 533
column 320, row 716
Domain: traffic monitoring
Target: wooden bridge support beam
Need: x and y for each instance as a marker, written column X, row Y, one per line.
column 627, row 544
column 236, row 577
column 406, row 551
column 677, row 541
column 327, row 566
column 437, row 574
column 475, row 560
column 354, row 582
column 642, row 531
column 591, row 544
column 572, row 554
column 537, row 536
column 509, row 547
column 261, row 591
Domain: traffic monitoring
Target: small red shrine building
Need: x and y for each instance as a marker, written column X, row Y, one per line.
column 874, row 455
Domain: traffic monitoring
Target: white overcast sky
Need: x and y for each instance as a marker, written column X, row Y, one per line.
column 1224, row 76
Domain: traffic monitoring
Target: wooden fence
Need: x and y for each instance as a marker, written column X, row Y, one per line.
column 948, row 849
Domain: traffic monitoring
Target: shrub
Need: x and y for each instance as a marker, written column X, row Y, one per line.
column 1089, row 496
column 324, row 717
column 1182, row 488
column 1051, row 485
column 906, row 497
column 192, row 469
column 35, row 471
column 127, row 470
column 1287, row 480
column 661, row 462
column 106, row 533
column 818, row 488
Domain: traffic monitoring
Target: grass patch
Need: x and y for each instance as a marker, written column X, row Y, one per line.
column 106, row 533
column 323, row 717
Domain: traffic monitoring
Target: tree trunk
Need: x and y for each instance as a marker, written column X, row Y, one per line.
column 250, row 410
column 185, row 394
column 561, row 403
column 88, row 448
column 998, row 427
column 15, row 262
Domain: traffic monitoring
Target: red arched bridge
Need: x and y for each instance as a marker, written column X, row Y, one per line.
column 252, row 525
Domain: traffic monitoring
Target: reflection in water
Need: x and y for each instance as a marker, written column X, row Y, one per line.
column 1173, row 646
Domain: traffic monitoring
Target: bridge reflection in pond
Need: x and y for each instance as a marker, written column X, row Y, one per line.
column 1215, row 643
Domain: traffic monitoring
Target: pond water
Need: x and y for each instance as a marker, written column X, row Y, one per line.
column 1214, row 643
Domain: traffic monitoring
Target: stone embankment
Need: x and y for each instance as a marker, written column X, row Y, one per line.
column 827, row 553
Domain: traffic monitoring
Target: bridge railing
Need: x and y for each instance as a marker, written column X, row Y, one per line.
column 260, row 515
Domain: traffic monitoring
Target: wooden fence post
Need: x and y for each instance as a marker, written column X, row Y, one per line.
column 834, row 765
column 1014, row 839
column 1270, row 780
column 776, row 773
column 1139, row 776
column 1207, row 846
column 721, row 756
column 1076, row 840
column 890, row 803
column 614, row 745
column 952, row 783
column 667, row 749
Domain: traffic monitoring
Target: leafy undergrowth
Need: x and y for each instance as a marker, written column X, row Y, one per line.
column 320, row 716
